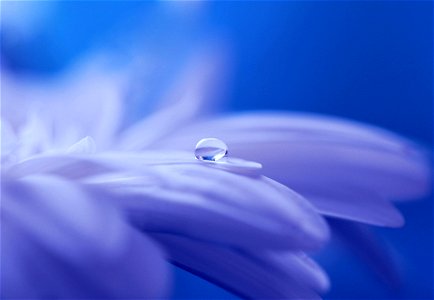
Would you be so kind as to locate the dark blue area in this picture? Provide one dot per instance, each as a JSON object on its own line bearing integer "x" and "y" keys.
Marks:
{"x": 369, "y": 61}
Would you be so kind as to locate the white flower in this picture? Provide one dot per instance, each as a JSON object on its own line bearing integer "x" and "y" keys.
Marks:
{"x": 72, "y": 176}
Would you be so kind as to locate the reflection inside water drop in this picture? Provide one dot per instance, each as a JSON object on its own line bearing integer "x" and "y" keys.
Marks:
{"x": 214, "y": 151}
{"x": 210, "y": 149}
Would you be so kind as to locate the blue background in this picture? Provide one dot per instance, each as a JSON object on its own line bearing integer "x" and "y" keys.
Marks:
{"x": 369, "y": 61}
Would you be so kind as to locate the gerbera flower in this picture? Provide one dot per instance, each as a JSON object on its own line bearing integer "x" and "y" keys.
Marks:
{"x": 91, "y": 209}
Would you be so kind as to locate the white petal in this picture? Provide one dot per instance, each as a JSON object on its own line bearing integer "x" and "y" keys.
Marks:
{"x": 62, "y": 241}
{"x": 9, "y": 142}
{"x": 175, "y": 192}
{"x": 183, "y": 102}
{"x": 208, "y": 203}
{"x": 84, "y": 146}
{"x": 251, "y": 276}
{"x": 87, "y": 100}
{"x": 313, "y": 154}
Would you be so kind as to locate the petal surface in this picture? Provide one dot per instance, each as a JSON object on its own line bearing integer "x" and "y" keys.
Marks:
{"x": 206, "y": 212}
{"x": 59, "y": 240}
{"x": 174, "y": 192}
{"x": 184, "y": 101}
{"x": 184, "y": 196}
{"x": 260, "y": 275}
{"x": 87, "y": 100}
{"x": 325, "y": 159}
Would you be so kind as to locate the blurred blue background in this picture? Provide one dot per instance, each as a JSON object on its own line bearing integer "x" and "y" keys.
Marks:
{"x": 368, "y": 61}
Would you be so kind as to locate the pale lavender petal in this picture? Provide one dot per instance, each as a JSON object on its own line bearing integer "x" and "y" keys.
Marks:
{"x": 174, "y": 192}
{"x": 300, "y": 267}
{"x": 67, "y": 166}
{"x": 211, "y": 209}
{"x": 34, "y": 136}
{"x": 60, "y": 240}
{"x": 9, "y": 142}
{"x": 251, "y": 276}
{"x": 86, "y": 145}
{"x": 91, "y": 103}
{"x": 342, "y": 203}
{"x": 215, "y": 205}
{"x": 317, "y": 155}
{"x": 182, "y": 102}
{"x": 78, "y": 165}
{"x": 307, "y": 126}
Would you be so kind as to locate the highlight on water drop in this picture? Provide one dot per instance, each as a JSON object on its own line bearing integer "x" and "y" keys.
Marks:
{"x": 210, "y": 149}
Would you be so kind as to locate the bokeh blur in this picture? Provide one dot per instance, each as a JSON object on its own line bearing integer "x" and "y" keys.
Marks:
{"x": 368, "y": 61}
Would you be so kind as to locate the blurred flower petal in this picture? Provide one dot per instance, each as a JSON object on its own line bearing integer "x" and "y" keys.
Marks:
{"x": 259, "y": 276}
{"x": 172, "y": 192}
{"x": 85, "y": 101}
{"x": 84, "y": 146}
{"x": 185, "y": 101}
{"x": 301, "y": 268}
{"x": 356, "y": 205}
{"x": 9, "y": 141}
{"x": 190, "y": 196}
{"x": 231, "y": 228}
{"x": 67, "y": 166}
{"x": 58, "y": 240}
{"x": 324, "y": 159}
{"x": 197, "y": 200}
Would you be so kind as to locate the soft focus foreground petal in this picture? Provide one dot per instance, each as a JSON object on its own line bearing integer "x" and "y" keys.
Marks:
{"x": 85, "y": 101}
{"x": 84, "y": 146}
{"x": 33, "y": 136}
{"x": 300, "y": 266}
{"x": 355, "y": 205}
{"x": 59, "y": 241}
{"x": 174, "y": 192}
{"x": 187, "y": 99}
{"x": 252, "y": 276}
{"x": 314, "y": 154}
{"x": 210, "y": 204}
{"x": 71, "y": 166}
{"x": 8, "y": 141}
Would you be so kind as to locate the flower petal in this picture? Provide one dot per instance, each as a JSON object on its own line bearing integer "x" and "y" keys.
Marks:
{"x": 91, "y": 93}
{"x": 64, "y": 165}
{"x": 207, "y": 203}
{"x": 55, "y": 244}
{"x": 355, "y": 205}
{"x": 8, "y": 142}
{"x": 183, "y": 102}
{"x": 174, "y": 192}
{"x": 253, "y": 276}
{"x": 84, "y": 146}
{"x": 329, "y": 157}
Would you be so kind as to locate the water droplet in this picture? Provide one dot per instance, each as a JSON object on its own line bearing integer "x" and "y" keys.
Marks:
{"x": 210, "y": 149}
